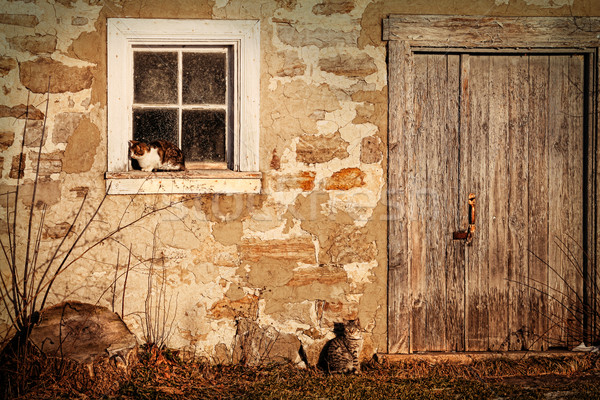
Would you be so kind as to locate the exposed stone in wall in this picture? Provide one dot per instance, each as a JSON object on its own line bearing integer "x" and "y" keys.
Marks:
{"x": 287, "y": 4}
{"x": 66, "y": 3}
{"x": 35, "y": 133}
{"x": 285, "y": 63}
{"x": 333, "y": 7}
{"x": 345, "y": 179}
{"x": 304, "y": 180}
{"x": 80, "y": 191}
{"x": 275, "y": 161}
{"x": 34, "y": 76}
{"x": 81, "y": 148}
{"x": 246, "y": 307}
{"x": 50, "y": 163}
{"x": 296, "y": 250}
{"x": 371, "y": 150}
{"x": 91, "y": 47}
{"x": 312, "y": 149}
{"x": 319, "y": 37}
{"x": 364, "y": 113}
{"x": 34, "y": 44}
{"x": 157, "y": 9}
{"x": 7, "y": 64}
{"x": 64, "y": 126}
{"x": 326, "y": 275}
{"x": 352, "y": 66}
{"x": 56, "y": 231}
{"x": 15, "y": 171}
{"x": 79, "y": 21}
{"x": 85, "y": 47}
{"x": 29, "y": 21}
{"x": 21, "y": 111}
{"x": 545, "y": 3}
{"x": 374, "y": 108}
{"x": 6, "y": 139}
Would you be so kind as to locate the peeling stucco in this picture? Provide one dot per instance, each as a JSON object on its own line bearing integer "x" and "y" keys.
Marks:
{"x": 308, "y": 251}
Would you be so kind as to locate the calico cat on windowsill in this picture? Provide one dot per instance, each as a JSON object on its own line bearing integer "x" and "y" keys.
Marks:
{"x": 159, "y": 155}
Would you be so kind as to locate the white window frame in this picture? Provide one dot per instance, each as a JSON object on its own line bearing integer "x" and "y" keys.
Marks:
{"x": 244, "y": 37}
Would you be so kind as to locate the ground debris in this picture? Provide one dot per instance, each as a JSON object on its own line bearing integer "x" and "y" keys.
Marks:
{"x": 162, "y": 374}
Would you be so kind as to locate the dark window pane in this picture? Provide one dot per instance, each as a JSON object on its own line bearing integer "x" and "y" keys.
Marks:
{"x": 155, "y": 78}
{"x": 204, "y": 78}
{"x": 203, "y": 135}
{"x": 153, "y": 124}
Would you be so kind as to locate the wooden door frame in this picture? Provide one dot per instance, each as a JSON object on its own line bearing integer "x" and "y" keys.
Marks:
{"x": 437, "y": 33}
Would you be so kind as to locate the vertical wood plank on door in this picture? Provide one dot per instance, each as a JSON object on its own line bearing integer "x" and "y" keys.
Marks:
{"x": 474, "y": 155}
{"x": 574, "y": 274}
{"x": 518, "y": 137}
{"x": 537, "y": 190}
{"x": 593, "y": 181}
{"x": 466, "y": 183}
{"x": 437, "y": 229}
{"x": 417, "y": 205}
{"x": 455, "y": 278}
{"x": 400, "y": 117}
{"x": 558, "y": 173}
{"x": 498, "y": 199}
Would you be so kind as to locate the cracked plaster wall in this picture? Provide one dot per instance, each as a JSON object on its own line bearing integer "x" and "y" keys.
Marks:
{"x": 310, "y": 250}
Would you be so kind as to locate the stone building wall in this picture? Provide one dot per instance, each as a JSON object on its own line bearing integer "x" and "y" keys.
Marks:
{"x": 285, "y": 264}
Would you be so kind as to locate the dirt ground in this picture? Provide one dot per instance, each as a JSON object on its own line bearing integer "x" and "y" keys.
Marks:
{"x": 164, "y": 375}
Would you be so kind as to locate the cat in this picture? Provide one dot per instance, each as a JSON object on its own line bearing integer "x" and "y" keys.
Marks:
{"x": 342, "y": 353}
{"x": 158, "y": 155}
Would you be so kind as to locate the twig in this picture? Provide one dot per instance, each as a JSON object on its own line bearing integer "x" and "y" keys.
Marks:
{"x": 125, "y": 284}
{"x": 33, "y": 196}
{"x": 114, "y": 285}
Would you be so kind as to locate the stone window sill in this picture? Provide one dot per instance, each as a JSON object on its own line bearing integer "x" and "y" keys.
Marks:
{"x": 184, "y": 182}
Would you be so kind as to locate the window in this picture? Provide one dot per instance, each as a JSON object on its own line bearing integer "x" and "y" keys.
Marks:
{"x": 184, "y": 95}
{"x": 194, "y": 83}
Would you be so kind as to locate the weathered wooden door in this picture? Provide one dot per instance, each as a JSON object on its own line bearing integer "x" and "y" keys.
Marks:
{"x": 511, "y": 129}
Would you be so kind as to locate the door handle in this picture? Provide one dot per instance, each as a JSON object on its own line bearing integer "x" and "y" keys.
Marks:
{"x": 467, "y": 235}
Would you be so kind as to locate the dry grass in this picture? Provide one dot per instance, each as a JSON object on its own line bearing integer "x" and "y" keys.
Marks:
{"x": 32, "y": 375}
{"x": 163, "y": 375}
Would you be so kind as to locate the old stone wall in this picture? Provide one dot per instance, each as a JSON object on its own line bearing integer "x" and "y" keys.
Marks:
{"x": 283, "y": 265}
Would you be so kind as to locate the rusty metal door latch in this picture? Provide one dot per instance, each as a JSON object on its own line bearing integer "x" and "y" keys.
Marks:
{"x": 467, "y": 235}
